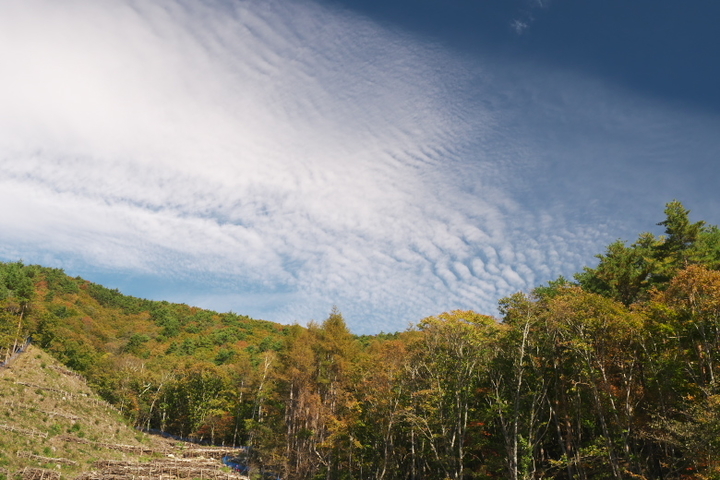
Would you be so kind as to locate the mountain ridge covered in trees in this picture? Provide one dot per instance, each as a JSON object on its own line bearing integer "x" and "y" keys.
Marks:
{"x": 613, "y": 374}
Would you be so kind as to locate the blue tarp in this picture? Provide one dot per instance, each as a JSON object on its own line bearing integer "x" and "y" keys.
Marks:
{"x": 245, "y": 469}
{"x": 238, "y": 467}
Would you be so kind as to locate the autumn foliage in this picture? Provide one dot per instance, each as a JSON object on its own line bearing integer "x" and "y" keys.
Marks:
{"x": 614, "y": 374}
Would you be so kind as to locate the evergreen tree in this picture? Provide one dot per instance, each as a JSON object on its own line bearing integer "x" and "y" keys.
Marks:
{"x": 681, "y": 235}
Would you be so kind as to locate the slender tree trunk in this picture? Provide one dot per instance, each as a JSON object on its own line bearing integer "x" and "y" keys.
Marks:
{"x": 237, "y": 414}
{"x": 19, "y": 327}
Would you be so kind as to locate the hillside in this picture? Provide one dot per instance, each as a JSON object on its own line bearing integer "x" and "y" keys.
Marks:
{"x": 54, "y": 426}
{"x": 145, "y": 357}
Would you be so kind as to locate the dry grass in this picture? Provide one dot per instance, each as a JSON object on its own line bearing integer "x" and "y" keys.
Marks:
{"x": 55, "y": 427}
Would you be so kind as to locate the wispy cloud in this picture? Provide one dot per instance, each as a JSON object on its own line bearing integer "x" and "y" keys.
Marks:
{"x": 526, "y": 15}
{"x": 292, "y": 157}
{"x": 519, "y": 26}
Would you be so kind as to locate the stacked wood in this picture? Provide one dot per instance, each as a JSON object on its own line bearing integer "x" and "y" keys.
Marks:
{"x": 68, "y": 372}
{"x": 46, "y": 412}
{"x": 111, "y": 446}
{"x": 63, "y": 461}
{"x": 30, "y": 473}
{"x": 42, "y": 387}
{"x": 160, "y": 468}
{"x": 69, "y": 395}
{"x": 210, "y": 452}
{"x": 105, "y": 476}
{"x": 168, "y": 461}
{"x": 23, "y": 431}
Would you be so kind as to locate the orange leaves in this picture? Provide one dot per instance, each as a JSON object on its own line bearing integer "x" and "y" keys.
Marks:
{"x": 588, "y": 321}
{"x": 695, "y": 290}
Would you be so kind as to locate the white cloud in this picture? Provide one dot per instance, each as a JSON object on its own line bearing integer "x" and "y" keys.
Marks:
{"x": 283, "y": 157}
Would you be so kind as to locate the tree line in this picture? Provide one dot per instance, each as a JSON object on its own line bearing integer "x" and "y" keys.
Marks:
{"x": 613, "y": 374}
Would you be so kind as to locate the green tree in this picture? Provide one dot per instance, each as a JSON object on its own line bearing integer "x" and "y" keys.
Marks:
{"x": 194, "y": 396}
{"x": 690, "y": 309}
{"x": 597, "y": 389}
{"x": 384, "y": 396}
{"x": 520, "y": 381}
{"x": 681, "y": 235}
{"x": 449, "y": 363}
{"x": 316, "y": 376}
{"x": 627, "y": 273}
{"x": 682, "y": 370}
{"x": 623, "y": 273}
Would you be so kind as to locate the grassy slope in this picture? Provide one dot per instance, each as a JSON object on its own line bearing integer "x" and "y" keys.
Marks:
{"x": 46, "y": 410}
{"x": 40, "y": 397}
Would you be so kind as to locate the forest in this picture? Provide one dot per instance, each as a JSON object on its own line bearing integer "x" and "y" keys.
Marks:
{"x": 614, "y": 373}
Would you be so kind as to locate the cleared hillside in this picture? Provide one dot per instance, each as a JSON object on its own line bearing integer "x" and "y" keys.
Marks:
{"x": 53, "y": 426}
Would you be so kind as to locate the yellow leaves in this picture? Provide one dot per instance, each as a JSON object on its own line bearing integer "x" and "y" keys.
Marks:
{"x": 695, "y": 290}
{"x": 457, "y": 333}
{"x": 590, "y": 320}
{"x": 691, "y": 302}
{"x": 458, "y": 317}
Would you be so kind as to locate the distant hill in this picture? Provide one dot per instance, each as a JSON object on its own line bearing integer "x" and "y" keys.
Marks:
{"x": 167, "y": 366}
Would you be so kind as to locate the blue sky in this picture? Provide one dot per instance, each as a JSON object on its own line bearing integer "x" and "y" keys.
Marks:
{"x": 394, "y": 158}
